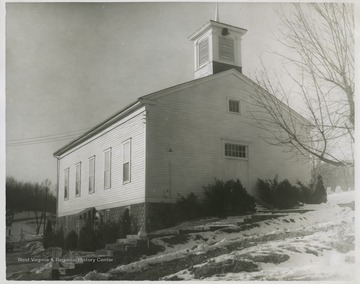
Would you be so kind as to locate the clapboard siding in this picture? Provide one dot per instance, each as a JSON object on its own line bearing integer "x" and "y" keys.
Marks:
{"x": 186, "y": 135}
{"x": 119, "y": 194}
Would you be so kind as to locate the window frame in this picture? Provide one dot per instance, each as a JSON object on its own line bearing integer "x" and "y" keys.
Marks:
{"x": 128, "y": 141}
{"x": 107, "y": 151}
{"x": 231, "y": 100}
{"x": 246, "y": 151}
{"x": 66, "y": 183}
{"x": 78, "y": 180}
{"x": 92, "y": 159}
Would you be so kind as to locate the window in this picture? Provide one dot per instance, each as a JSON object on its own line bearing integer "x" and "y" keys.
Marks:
{"x": 66, "y": 184}
{"x": 107, "y": 168}
{"x": 226, "y": 49}
{"x": 92, "y": 175}
{"x": 236, "y": 151}
{"x": 234, "y": 106}
{"x": 203, "y": 51}
{"x": 126, "y": 161}
{"x": 78, "y": 180}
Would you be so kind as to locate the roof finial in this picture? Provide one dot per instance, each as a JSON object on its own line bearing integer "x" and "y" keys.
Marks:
{"x": 217, "y": 12}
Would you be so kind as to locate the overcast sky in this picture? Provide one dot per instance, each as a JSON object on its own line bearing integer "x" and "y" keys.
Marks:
{"x": 69, "y": 66}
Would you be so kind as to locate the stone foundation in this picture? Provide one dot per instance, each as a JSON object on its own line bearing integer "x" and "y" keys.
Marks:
{"x": 76, "y": 222}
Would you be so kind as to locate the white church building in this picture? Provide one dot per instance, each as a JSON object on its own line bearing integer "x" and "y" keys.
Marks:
{"x": 173, "y": 141}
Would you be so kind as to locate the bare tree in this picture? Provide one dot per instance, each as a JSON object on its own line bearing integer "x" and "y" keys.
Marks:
{"x": 319, "y": 79}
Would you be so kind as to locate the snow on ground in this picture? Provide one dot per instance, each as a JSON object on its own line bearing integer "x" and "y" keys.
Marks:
{"x": 316, "y": 245}
{"x": 25, "y": 227}
{"x": 319, "y": 256}
{"x": 341, "y": 197}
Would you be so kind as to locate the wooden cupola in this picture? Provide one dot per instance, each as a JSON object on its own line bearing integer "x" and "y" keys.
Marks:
{"x": 217, "y": 47}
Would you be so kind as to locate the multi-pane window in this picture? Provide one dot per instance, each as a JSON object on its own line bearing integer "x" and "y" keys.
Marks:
{"x": 126, "y": 161}
{"x": 226, "y": 49}
{"x": 107, "y": 168}
{"x": 92, "y": 174}
{"x": 203, "y": 51}
{"x": 78, "y": 180}
{"x": 66, "y": 184}
{"x": 234, "y": 106}
{"x": 235, "y": 150}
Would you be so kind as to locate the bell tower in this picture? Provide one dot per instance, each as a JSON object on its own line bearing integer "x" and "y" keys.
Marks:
{"x": 217, "y": 47}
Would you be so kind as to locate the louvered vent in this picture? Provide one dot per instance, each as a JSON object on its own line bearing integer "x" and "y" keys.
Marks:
{"x": 226, "y": 49}
{"x": 203, "y": 51}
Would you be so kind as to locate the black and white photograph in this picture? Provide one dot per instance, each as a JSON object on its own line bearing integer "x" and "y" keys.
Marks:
{"x": 197, "y": 141}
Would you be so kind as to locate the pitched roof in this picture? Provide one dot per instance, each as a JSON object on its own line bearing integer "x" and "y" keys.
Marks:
{"x": 141, "y": 101}
{"x": 133, "y": 106}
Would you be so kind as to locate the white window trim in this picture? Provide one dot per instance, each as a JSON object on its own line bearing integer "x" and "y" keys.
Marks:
{"x": 123, "y": 143}
{"x": 93, "y": 191}
{"x": 228, "y": 99}
{"x": 76, "y": 181}
{"x": 110, "y": 161}
{"x": 239, "y": 144}
{"x": 67, "y": 184}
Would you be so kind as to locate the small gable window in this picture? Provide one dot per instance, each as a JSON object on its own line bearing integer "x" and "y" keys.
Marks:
{"x": 234, "y": 106}
{"x": 203, "y": 51}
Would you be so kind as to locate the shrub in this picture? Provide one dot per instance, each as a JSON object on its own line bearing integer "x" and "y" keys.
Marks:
{"x": 51, "y": 238}
{"x": 161, "y": 216}
{"x": 71, "y": 241}
{"x": 126, "y": 222}
{"x": 315, "y": 192}
{"x": 89, "y": 239}
{"x": 275, "y": 194}
{"x": 58, "y": 238}
{"x": 187, "y": 208}
{"x": 320, "y": 194}
{"x": 306, "y": 192}
{"x": 110, "y": 232}
{"x": 230, "y": 197}
{"x": 48, "y": 237}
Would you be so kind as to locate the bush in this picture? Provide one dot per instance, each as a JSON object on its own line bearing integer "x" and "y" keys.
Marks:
{"x": 187, "y": 208}
{"x": 126, "y": 222}
{"x": 71, "y": 241}
{"x": 275, "y": 194}
{"x": 161, "y": 216}
{"x": 306, "y": 192}
{"x": 315, "y": 192}
{"x": 320, "y": 194}
{"x": 59, "y": 240}
{"x": 48, "y": 237}
{"x": 51, "y": 238}
{"x": 89, "y": 239}
{"x": 110, "y": 232}
{"x": 224, "y": 198}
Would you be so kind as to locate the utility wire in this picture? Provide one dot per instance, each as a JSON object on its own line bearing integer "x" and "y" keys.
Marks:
{"x": 44, "y": 139}
{"x": 45, "y": 136}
